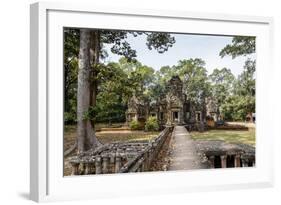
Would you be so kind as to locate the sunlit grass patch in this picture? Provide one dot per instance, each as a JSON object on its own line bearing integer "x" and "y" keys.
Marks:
{"x": 230, "y": 136}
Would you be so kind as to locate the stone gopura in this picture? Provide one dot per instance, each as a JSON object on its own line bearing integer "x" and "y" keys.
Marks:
{"x": 172, "y": 108}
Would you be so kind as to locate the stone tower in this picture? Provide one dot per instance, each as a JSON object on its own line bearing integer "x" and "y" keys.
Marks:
{"x": 174, "y": 98}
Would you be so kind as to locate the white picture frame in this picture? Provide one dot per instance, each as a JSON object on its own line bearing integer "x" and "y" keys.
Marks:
{"x": 46, "y": 134}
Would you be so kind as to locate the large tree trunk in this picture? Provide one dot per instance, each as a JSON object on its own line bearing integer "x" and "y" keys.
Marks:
{"x": 86, "y": 137}
{"x": 95, "y": 55}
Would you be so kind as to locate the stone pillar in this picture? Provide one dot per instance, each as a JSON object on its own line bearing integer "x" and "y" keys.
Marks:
{"x": 105, "y": 164}
{"x": 117, "y": 162}
{"x": 223, "y": 161}
{"x": 237, "y": 161}
{"x": 169, "y": 119}
{"x": 98, "y": 165}
{"x": 212, "y": 161}
{"x": 145, "y": 161}
{"x": 181, "y": 116}
{"x": 149, "y": 156}
{"x": 75, "y": 168}
{"x": 143, "y": 165}
{"x": 87, "y": 168}
{"x": 112, "y": 159}
{"x": 244, "y": 162}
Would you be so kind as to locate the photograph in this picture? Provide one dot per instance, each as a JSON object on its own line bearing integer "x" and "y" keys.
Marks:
{"x": 149, "y": 101}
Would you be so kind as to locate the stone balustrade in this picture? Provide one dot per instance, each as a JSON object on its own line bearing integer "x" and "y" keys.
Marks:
{"x": 119, "y": 157}
{"x": 224, "y": 155}
{"x": 225, "y": 160}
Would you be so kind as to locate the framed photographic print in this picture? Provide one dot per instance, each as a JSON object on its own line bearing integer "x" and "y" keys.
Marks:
{"x": 127, "y": 102}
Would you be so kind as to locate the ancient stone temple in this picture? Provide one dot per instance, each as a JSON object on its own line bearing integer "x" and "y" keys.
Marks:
{"x": 212, "y": 109}
{"x": 173, "y": 108}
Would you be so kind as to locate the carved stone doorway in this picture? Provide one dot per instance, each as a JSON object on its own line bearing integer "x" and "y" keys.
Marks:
{"x": 175, "y": 116}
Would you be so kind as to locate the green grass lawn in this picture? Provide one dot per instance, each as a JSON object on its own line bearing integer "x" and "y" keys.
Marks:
{"x": 231, "y": 136}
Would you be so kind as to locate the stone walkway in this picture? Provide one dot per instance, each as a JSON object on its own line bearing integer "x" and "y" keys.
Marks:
{"x": 184, "y": 155}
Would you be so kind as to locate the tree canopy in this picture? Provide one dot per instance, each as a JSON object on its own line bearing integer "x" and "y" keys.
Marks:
{"x": 241, "y": 45}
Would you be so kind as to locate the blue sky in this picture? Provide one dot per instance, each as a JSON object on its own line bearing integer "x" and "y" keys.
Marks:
{"x": 187, "y": 46}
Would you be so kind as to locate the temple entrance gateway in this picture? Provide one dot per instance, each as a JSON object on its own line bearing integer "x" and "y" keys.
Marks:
{"x": 175, "y": 116}
{"x": 171, "y": 108}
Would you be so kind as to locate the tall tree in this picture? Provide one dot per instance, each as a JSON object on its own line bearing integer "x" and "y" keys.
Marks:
{"x": 222, "y": 81}
{"x": 86, "y": 138}
{"x": 195, "y": 79}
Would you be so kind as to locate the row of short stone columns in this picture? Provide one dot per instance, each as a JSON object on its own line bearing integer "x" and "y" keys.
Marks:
{"x": 237, "y": 161}
{"x": 99, "y": 165}
{"x": 113, "y": 163}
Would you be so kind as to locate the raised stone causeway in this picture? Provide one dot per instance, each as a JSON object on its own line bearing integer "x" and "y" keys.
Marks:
{"x": 184, "y": 154}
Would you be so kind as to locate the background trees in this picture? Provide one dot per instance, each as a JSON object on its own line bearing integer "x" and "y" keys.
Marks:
{"x": 195, "y": 79}
{"x": 242, "y": 101}
{"x": 71, "y": 49}
{"x": 222, "y": 84}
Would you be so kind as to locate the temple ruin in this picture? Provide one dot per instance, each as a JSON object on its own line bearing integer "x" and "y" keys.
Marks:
{"x": 173, "y": 108}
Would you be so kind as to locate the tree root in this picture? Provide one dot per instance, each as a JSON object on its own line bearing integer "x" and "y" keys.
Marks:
{"x": 70, "y": 150}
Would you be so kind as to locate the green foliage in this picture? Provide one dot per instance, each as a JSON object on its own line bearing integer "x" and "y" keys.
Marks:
{"x": 242, "y": 101}
{"x": 91, "y": 113}
{"x": 159, "y": 41}
{"x": 135, "y": 125}
{"x": 221, "y": 86}
{"x": 151, "y": 124}
{"x": 237, "y": 107}
{"x": 246, "y": 80}
{"x": 241, "y": 45}
{"x": 195, "y": 79}
{"x": 71, "y": 49}
{"x": 69, "y": 117}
